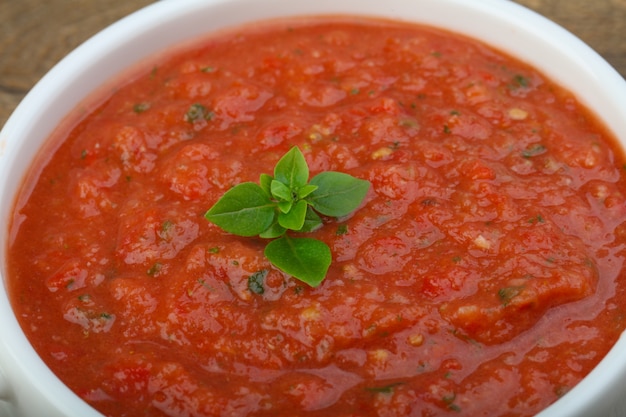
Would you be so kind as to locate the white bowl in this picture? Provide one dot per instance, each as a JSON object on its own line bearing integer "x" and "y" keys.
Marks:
{"x": 29, "y": 388}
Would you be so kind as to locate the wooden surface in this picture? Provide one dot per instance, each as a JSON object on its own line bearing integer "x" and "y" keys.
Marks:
{"x": 35, "y": 34}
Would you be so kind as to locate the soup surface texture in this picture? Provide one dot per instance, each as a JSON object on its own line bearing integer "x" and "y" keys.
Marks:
{"x": 482, "y": 274}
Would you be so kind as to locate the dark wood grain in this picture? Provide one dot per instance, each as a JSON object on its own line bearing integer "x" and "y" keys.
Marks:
{"x": 35, "y": 34}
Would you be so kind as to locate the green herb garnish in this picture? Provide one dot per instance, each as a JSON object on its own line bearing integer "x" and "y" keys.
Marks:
{"x": 198, "y": 112}
{"x": 288, "y": 201}
{"x": 449, "y": 401}
{"x": 256, "y": 281}
{"x": 508, "y": 293}
{"x": 521, "y": 81}
{"x": 141, "y": 107}
{"x": 342, "y": 229}
{"x": 154, "y": 269}
{"x": 385, "y": 389}
{"x": 533, "y": 150}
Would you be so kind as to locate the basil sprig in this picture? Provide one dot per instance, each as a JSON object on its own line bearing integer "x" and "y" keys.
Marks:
{"x": 288, "y": 201}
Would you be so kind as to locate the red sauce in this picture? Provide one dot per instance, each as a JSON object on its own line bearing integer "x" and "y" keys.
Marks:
{"x": 486, "y": 261}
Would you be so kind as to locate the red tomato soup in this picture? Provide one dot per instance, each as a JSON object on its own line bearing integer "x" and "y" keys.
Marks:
{"x": 482, "y": 274}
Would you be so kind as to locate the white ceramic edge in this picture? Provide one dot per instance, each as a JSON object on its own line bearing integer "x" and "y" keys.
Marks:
{"x": 524, "y": 34}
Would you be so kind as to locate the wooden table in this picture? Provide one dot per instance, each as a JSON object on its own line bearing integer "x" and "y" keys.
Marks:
{"x": 35, "y": 34}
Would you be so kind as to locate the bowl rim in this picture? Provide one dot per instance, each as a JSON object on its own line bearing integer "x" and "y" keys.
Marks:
{"x": 117, "y": 45}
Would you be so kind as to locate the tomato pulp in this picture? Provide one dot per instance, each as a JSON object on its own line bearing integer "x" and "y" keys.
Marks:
{"x": 486, "y": 261}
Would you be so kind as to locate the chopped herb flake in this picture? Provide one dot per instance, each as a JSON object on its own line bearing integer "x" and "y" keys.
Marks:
{"x": 385, "y": 389}
{"x": 167, "y": 226}
{"x": 536, "y": 219}
{"x": 342, "y": 229}
{"x": 408, "y": 122}
{"x": 521, "y": 81}
{"x": 449, "y": 400}
{"x": 205, "y": 285}
{"x": 256, "y": 282}
{"x": 154, "y": 269}
{"x": 141, "y": 107}
{"x": 198, "y": 112}
{"x": 508, "y": 293}
{"x": 533, "y": 150}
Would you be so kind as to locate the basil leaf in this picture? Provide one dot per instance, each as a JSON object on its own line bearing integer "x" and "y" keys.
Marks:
{"x": 306, "y": 190}
{"x": 281, "y": 191}
{"x": 285, "y": 206}
{"x": 338, "y": 194}
{"x": 292, "y": 169}
{"x": 311, "y": 221}
{"x": 275, "y": 230}
{"x": 244, "y": 210}
{"x": 303, "y": 258}
{"x": 294, "y": 218}
{"x": 284, "y": 202}
{"x": 265, "y": 182}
